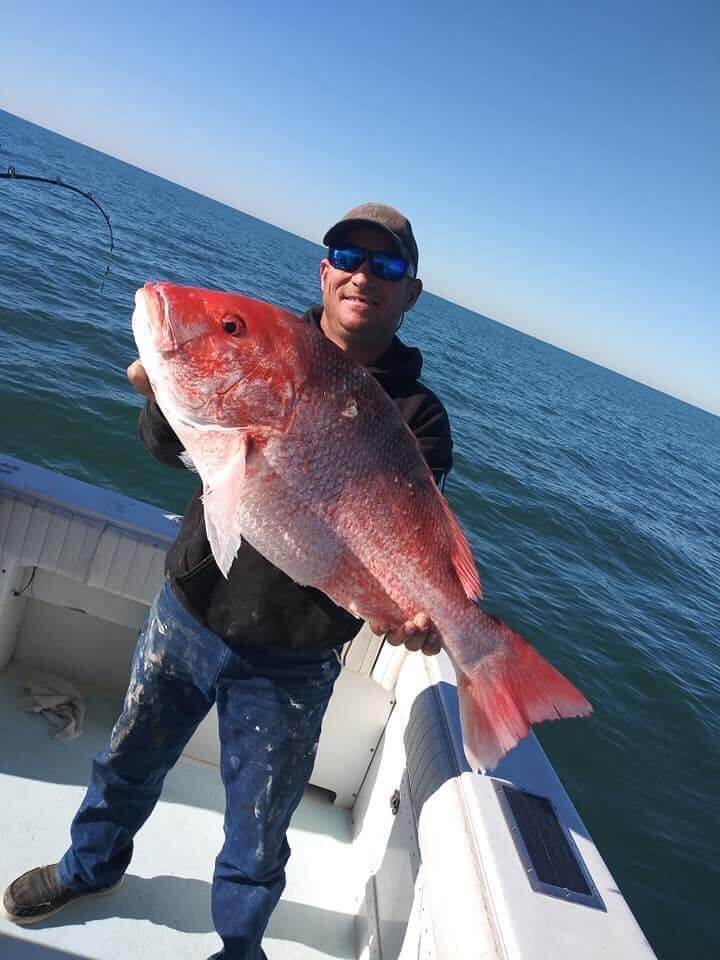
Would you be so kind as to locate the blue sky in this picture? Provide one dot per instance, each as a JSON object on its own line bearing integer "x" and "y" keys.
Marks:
{"x": 560, "y": 161}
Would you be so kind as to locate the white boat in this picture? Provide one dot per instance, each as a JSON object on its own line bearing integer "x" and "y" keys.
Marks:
{"x": 399, "y": 851}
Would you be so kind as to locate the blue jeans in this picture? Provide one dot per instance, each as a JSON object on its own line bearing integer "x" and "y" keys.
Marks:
{"x": 270, "y": 708}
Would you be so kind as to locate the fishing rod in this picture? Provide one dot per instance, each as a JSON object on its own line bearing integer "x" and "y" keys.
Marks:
{"x": 12, "y": 174}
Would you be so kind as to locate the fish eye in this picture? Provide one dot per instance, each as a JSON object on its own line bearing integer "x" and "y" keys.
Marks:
{"x": 233, "y": 324}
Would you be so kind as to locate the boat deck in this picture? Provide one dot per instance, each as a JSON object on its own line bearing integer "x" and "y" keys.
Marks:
{"x": 418, "y": 857}
{"x": 163, "y": 907}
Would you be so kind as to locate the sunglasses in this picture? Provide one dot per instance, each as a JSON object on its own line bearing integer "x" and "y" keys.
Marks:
{"x": 384, "y": 266}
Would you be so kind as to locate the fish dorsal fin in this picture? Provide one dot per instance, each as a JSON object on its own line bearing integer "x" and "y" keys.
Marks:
{"x": 461, "y": 555}
{"x": 220, "y": 501}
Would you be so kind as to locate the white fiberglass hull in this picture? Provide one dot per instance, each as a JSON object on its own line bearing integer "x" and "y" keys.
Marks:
{"x": 398, "y": 850}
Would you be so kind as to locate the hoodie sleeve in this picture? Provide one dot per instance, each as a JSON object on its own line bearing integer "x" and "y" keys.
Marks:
{"x": 428, "y": 420}
{"x": 158, "y": 437}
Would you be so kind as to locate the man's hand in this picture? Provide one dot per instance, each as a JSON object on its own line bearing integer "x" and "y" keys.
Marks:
{"x": 139, "y": 379}
{"x": 416, "y": 634}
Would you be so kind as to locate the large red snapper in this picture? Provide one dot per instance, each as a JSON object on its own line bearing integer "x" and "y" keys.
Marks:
{"x": 302, "y": 453}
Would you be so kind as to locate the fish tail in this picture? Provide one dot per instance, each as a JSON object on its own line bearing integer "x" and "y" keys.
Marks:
{"x": 510, "y": 689}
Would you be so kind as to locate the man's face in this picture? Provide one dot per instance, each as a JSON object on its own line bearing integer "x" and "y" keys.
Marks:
{"x": 359, "y": 305}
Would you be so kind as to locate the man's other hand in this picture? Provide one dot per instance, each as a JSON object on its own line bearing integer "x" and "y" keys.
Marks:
{"x": 416, "y": 634}
{"x": 139, "y": 379}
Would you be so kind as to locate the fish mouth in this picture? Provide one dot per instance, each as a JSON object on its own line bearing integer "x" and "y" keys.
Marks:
{"x": 151, "y": 311}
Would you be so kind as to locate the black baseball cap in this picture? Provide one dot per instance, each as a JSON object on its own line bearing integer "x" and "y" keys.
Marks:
{"x": 388, "y": 219}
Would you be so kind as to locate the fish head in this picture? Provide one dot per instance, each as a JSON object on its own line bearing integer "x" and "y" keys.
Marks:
{"x": 220, "y": 359}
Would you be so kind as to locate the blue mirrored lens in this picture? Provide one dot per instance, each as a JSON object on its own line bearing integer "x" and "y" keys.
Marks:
{"x": 384, "y": 266}
{"x": 346, "y": 258}
{"x": 387, "y": 267}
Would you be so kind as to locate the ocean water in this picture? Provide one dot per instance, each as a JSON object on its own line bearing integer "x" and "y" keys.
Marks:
{"x": 591, "y": 501}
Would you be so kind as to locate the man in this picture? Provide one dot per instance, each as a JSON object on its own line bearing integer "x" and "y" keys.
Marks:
{"x": 261, "y": 647}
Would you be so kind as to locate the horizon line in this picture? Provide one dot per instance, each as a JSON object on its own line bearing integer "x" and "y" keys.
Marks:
{"x": 446, "y": 299}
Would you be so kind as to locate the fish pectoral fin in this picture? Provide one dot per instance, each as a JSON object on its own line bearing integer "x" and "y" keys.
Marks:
{"x": 220, "y": 501}
{"x": 187, "y": 461}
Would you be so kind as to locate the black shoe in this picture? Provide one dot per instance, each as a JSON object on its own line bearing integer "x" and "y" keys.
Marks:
{"x": 40, "y": 893}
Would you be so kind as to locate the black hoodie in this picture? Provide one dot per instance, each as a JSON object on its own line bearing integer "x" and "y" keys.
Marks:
{"x": 258, "y": 605}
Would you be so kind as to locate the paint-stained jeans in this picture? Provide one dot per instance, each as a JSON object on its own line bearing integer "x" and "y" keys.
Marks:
{"x": 270, "y": 708}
